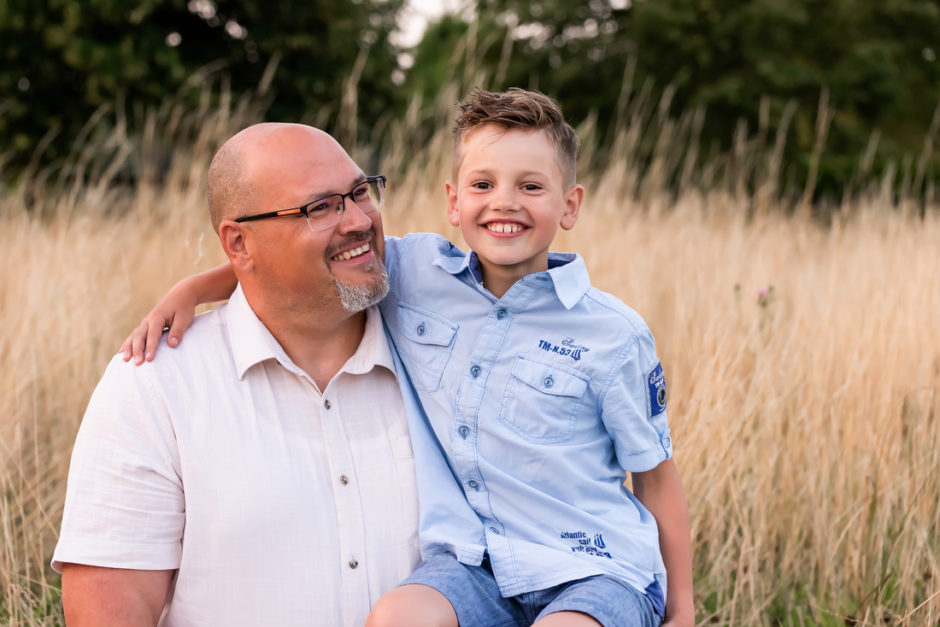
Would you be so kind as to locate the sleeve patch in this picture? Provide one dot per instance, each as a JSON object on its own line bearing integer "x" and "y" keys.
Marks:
{"x": 656, "y": 384}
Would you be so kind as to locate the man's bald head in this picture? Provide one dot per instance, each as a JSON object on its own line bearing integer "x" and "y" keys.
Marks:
{"x": 233, "y": 185}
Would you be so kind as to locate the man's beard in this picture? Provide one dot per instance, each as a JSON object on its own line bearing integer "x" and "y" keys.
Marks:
{"x": 356, "y": 298}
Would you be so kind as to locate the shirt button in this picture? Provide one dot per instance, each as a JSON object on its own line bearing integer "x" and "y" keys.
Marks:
{"x": 354, "y": 563}
{"x": 500, "y": 314}
{"x": 464, "y": 431}
{"x": 494, "y": 530}
{"x": 343, "y": 480}
{"x": 421, "y": 330}
{"x": 473, "y": 484}
{"x": 548, "y": 381}
{"x": 474, "y": 371}
{"x": 327, "y": 404}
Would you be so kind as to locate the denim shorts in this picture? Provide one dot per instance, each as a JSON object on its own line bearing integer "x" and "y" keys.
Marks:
{"x": 474, "y": 594}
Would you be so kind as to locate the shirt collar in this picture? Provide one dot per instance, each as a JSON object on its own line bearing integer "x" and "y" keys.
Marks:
{"x": 252, "y": 342}
{"x": 569, "y": 276}
{"x": 567, "y": 271}
{"x": 454, "y": 260}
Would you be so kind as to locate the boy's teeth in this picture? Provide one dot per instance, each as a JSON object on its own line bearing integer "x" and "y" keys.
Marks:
{"x": 502, "y": 227}
{"x": 349, "y": 254}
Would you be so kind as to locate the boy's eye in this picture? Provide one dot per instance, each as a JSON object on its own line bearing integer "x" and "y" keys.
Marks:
{"x": 481, "y": 185}
{"x": 531, "y": 187}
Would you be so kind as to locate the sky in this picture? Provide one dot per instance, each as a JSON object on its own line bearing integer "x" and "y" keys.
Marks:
{"x": 416, "y": 15}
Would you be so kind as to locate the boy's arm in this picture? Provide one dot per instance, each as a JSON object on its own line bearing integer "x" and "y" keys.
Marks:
{"x": 660, "y": 491}
{"x": 176, "y": 310}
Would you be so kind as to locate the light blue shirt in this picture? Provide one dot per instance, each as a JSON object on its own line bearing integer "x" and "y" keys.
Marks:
{"x": 538, "y": 401}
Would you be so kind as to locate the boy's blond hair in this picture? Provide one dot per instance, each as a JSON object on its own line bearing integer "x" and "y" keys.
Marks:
{"x": 517, "y": 109}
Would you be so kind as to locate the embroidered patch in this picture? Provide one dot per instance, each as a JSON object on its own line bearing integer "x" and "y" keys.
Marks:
{"x": 582, "y": 542}
{"x": 567, "y": 348}
{"x": 656, "y": 382}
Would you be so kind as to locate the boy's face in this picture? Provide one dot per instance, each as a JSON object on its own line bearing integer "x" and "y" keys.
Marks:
{"x": 509, "y": 198}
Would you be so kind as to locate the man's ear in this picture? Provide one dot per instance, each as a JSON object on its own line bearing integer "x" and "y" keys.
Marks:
{"x": 453, "y": 214}
{"x": 235, "y": 242}
{"x": 573, "y": 200}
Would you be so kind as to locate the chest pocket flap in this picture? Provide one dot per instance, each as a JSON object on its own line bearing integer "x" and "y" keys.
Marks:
{"x": 423, "y": 327}
{"x": 549, "y": 379}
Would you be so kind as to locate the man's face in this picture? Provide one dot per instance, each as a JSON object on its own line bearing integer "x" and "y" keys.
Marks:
{"x": 307, "y": 271}
{"x": 509, "y": 198}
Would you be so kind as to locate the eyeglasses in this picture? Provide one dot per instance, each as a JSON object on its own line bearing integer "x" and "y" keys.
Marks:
{"x": 325, "y": 213}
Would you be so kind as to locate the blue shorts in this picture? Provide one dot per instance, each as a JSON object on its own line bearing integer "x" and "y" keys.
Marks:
{"x": 473, "y": 593}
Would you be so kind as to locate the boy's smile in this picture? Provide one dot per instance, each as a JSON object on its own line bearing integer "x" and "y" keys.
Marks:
{"x": 509, "y": 200}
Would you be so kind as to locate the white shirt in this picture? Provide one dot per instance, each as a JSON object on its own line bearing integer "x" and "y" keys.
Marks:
{"x": 277, "y": 504}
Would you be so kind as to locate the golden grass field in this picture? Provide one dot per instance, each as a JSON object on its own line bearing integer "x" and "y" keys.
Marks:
{"x": 803, "y": 361}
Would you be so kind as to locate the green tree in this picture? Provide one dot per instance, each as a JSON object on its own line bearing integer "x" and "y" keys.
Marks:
{"x": 740, "y": 60}
{"x": 64, "y": 59}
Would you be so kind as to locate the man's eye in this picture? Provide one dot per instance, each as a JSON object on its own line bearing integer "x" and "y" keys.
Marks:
{"x": 318, "y": 207}
{"x": 361, "y": 191}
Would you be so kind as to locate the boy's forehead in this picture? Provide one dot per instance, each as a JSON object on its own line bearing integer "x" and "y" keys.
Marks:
{"x": 486, "y": 134}
{"x": 480, "y": 139}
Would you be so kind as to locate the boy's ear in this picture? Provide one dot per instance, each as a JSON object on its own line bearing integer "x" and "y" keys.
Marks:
{"x": 453, "y": 214}
{"x": 235, "y": 244}
{"x": 573, "y": 200}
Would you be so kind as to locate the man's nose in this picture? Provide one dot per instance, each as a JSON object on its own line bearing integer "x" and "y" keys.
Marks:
{"x": 354, "y": 218}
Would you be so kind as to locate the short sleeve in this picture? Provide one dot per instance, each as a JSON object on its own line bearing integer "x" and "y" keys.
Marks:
{"x": 634, "y": 406}
{"x": 124, "y": 505}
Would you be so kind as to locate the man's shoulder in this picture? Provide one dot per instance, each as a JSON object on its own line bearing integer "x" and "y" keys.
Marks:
{"x": 204, "y": 346}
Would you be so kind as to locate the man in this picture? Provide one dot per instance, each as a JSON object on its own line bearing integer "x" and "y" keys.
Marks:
{"x": 261, "y": 473}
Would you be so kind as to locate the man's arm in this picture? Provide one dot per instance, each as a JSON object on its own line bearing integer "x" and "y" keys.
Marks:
{"x": 101, "y": 597}
{"x": 660, "y": 491}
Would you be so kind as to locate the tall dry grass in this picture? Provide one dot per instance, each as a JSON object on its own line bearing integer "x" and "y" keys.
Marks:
{"x": 803, "y": 359}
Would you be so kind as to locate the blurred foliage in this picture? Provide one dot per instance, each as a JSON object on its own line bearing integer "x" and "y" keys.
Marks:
{"x": 868, "y": 71}
{"x": 62, "y": 60}
{"x": 852, "y": 85}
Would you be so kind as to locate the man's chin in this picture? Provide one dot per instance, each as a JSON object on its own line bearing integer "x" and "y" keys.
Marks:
{"x": 356, "y": 298}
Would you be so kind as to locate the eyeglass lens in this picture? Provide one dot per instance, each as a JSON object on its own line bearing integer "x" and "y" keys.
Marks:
{"x": 326, "y": 212}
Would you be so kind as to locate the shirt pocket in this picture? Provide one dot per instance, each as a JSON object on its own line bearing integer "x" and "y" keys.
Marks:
{"x": 542, "y": 400}
{"x": 426, "y": 342}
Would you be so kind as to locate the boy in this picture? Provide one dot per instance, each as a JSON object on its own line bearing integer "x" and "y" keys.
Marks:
{"x": 540, "y": 391}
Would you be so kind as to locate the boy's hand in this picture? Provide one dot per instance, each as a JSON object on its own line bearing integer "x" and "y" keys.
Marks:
{"x": 175, "y": 310}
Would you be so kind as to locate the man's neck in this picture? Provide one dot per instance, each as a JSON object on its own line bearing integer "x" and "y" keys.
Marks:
{"x": 319, "y": 343}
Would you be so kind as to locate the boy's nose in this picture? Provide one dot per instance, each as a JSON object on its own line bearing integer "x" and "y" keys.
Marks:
{"x": 505, "y": 200}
